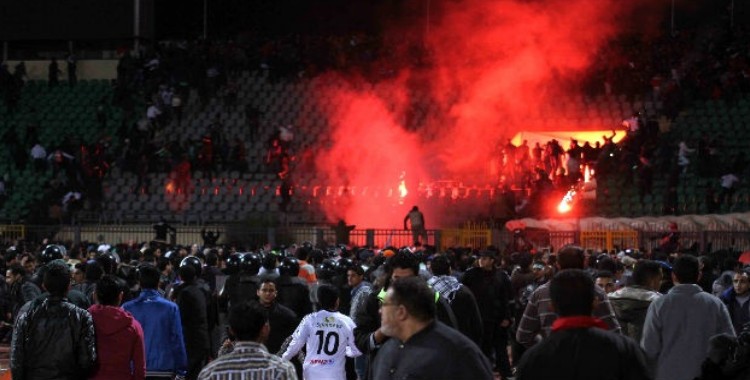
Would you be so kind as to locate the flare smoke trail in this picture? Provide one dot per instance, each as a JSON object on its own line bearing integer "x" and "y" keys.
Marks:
{"x": 492, "y": 65}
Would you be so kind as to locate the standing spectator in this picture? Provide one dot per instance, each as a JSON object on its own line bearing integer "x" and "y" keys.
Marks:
{"x": 161, "y": 229}
{"x": 461, "y": 299}
{"x": 728, "y": 182}
{"x": 682, "y": 153}
{"x": 360, "y": 289}
{"x": 369, "y": 332}
{"x": 52, "y": 338}
{"x": 39, "y": 157}
{"x": 631, "y": 302}
{"x": 421, "y": 346}
{"x": 293, "y": 291}
{"x": 119, "y": 337}
{"x": 539, "y": 316}
{"x": 577, "y": 337}
{"x": 282, "y": 319}
{"x": 417, "y": 223}
{"x": 162, "y": 327}
{"x": 72, "y": 69}
{"x": 306, "y": 271}
{"x": 53, "y": 72}
{"x": 15, "y": 277}
{"x": 327, "y": 336}
{"x": 493, "y": 291}
{"x": 192, "y": 302}
{"x": 684, "y": 319}
{"x": 737, "y": 299}
{"x": 249, "y": 328}
{"x": 210, "y": 237}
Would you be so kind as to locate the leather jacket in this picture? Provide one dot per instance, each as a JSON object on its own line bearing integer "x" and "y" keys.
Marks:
{"x": 52, "y": 339}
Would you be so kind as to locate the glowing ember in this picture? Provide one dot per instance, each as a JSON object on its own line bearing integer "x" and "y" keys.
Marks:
{"x": 567, "y": 202}
{"x": 402, "y": 190}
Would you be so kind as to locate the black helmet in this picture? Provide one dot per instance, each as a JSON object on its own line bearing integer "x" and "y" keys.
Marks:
{"x": 344, "y": 265}
{"x": 173, "y": 257}
{"x": 316, "y": 256}
{"x": 108, "y": 262}
{"x": 51, "y": 252}
{"x": 250, "y": 263}
{"x": 233, "y": 263}
{"x": 289, "y": 267}
{"x": 327, "y": 269}
{"x": 193, "y": 261}
{"x": 270, "y": 261}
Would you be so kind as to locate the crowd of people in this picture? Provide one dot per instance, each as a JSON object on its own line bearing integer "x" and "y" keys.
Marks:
{"x": 221, "y": 312}
{"x": 154, "y": 87}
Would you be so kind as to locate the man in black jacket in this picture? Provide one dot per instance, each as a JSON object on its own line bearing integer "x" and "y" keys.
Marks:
{"x": 461, "y": 299}
{"x": 420, "y": 347}
{"x": 191, "y": 299}
{"x": 368, "y": 333}
{"x": 283, "y": 320}
{"x": 293, "y": 291}
{"x": 52, "y": 338}
{"x": 577, "y": 337}
{"x": 492, "y": 290}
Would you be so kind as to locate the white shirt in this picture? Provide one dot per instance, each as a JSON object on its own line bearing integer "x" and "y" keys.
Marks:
{"x": 38, "y": 152}
{"x": 153, "y": 112}
{"x": 728, "y": 180}
{"x": 328, "y": 337}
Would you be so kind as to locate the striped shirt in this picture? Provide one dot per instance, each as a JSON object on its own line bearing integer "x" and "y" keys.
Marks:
{"x": 248, "y": 361}
{"x": 539, "y": 316}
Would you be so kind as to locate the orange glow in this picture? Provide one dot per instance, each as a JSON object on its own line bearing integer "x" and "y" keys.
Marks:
{"x": 567, "y": 202}
{"x": 542, "y": 137}
{"x": 402, "y": 190}
{"x": 444, "y": 120}
{"x": 564, "y": 207}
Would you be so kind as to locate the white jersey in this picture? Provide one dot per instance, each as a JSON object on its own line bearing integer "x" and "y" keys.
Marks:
{"x": 328, "y": 337}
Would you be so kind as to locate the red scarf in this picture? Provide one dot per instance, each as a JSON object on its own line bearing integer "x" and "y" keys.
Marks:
{"x": 577, "y": 322}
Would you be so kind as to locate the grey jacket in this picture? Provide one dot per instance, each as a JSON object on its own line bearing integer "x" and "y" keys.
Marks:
{"x": 678, "y": 328}
{"x": 631, "y": 304}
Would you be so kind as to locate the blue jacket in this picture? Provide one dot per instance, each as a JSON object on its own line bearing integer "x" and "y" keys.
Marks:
{"x": 162, "y": 332}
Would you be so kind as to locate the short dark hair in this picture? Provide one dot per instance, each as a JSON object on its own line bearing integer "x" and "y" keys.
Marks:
{"x": 162, "y": 263}
{"x": 212, "y": 257}
{"x": 246, "y": 320}
{"x": 687, "y": 269}
{"x": 107, "y": 290}
{"x": 403, "y": 260}
{"x": 266, "y": 280}
{"x": 604, "y": 274}
{"x": 644, "y": 271}
{"x": 606, "y": 263}
{"x": 414, "y": 294}
{"x": 57, "y": 278}
{"x": 441, "y": 266}
{"x": 327, "y": 296}
{"x": 570, "y": 257}
{"x": 148, "y": 276}
{"x": 93, "y": 271}
{"x": 357, "y": 269}
{"x": 17, "y": 269}
{"x": 572, "y": 292}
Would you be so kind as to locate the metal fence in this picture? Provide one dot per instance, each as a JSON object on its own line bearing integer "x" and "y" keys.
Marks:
{"x": 701, "y": 241}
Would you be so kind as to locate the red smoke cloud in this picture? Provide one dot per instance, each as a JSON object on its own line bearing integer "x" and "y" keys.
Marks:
{"x": 495, "y": 68}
